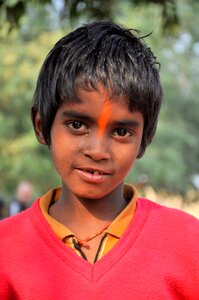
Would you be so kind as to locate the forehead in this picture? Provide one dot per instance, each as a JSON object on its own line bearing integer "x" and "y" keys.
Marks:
{"x": 100, "y": 106}
{"x": 95, "y": 100}
{"x": 100, "y": 95}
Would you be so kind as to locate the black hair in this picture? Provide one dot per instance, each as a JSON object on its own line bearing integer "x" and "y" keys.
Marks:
{"x": 100, "y": 52}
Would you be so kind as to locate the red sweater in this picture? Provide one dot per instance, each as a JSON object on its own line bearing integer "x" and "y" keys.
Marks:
{"x": 156, "y": 258}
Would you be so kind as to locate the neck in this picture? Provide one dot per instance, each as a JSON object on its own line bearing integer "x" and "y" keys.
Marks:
{"x": 86, "y": 216}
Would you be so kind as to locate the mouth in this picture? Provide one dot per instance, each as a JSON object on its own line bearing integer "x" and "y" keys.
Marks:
{"x": 92, "y": 175}
{"x": 94, "y": 171}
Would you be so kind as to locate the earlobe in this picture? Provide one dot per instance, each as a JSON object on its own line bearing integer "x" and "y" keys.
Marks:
{"x": 36, "y": 120}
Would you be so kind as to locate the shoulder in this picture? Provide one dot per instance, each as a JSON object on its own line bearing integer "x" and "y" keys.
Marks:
{"x": 173, "y": 232}
{"x": 170, "y": 219}
{"x": 17, "y": 228}
{"x": 13, "y": 224}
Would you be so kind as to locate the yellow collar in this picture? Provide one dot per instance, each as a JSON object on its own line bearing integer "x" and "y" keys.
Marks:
{"x": 116, "y": 228}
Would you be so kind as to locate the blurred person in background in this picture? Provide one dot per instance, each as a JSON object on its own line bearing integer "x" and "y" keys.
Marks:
{"x": 24, "y": 194}
{"x": 2, "y": 209}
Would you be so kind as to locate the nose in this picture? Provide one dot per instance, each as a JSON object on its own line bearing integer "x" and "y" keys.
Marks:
{"x": 97, "y": 149}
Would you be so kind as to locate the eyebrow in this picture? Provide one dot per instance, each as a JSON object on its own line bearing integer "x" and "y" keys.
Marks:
{"x": 85, "y": 117}
{"x": 74, "y": 114}
{"x": 127, "y": 123}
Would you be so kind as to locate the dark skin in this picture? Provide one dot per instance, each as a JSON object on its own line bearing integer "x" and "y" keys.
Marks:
{"x": 93, "y": 150}
{"x": 78, "y": 215}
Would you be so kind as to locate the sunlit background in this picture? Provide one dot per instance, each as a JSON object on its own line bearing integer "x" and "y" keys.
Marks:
{"x": 169, "y": 171}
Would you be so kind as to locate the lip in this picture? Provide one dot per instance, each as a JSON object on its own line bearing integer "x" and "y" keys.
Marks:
{"x": 98, "y": 175}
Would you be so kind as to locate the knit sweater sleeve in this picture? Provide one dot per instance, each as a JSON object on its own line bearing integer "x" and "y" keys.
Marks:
{"x": 13, "y": 235}
{"x": 177, "y": 234}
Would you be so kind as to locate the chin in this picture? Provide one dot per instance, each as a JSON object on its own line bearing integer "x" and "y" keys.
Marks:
{"x": 92, "y": 195}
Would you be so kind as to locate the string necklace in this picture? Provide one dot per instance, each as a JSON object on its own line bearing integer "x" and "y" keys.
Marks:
{"x": 84, "y": 242}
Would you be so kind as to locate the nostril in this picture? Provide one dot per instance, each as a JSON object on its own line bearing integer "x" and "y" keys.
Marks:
{"x": 96, "y": 156}
{"x": 96, "y": 150}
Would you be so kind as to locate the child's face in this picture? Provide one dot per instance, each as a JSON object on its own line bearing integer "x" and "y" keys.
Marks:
{"x": 94, "y": 143}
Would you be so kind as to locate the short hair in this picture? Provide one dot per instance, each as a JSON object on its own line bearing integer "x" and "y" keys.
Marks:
{"x": 100, "y": 52}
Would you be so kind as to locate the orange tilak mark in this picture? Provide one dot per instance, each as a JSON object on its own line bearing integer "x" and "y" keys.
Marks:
{"x": 104, "y": 118}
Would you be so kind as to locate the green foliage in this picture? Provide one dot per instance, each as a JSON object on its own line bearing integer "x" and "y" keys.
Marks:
{"x": 169, "y": 13}
{"x": 12, "y": 11}
{"x": 20, "y": 155}
{"x": 173, "y": 157}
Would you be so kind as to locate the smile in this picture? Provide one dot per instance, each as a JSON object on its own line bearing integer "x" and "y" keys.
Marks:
{"x": 95, "y": 172}
{"x": 92, "y": 175}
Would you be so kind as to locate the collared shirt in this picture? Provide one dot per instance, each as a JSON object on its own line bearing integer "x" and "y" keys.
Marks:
{"x": 111, "y": 235}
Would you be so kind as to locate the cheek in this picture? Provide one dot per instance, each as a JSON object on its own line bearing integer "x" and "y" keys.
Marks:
{"x": 126, "y": 160}
{"x": 64, "y": 149}
{"x": 57, "y": 148}
{"x": 126, "y": 157}
{"x": 131, "y": 150}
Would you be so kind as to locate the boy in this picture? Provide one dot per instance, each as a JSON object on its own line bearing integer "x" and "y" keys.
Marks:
{"x": 96, "y": 107}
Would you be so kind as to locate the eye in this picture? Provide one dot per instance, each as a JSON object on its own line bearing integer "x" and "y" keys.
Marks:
{"x": 77, "y": 127}
{"x": 121, "y": 132}
{"x": 76, "y": 124}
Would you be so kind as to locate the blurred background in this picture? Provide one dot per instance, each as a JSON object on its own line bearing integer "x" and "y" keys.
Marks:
{"x": 169, "y": 171}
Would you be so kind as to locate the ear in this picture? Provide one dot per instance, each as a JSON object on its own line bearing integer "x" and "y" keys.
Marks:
{"x": 36, "y": 121}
